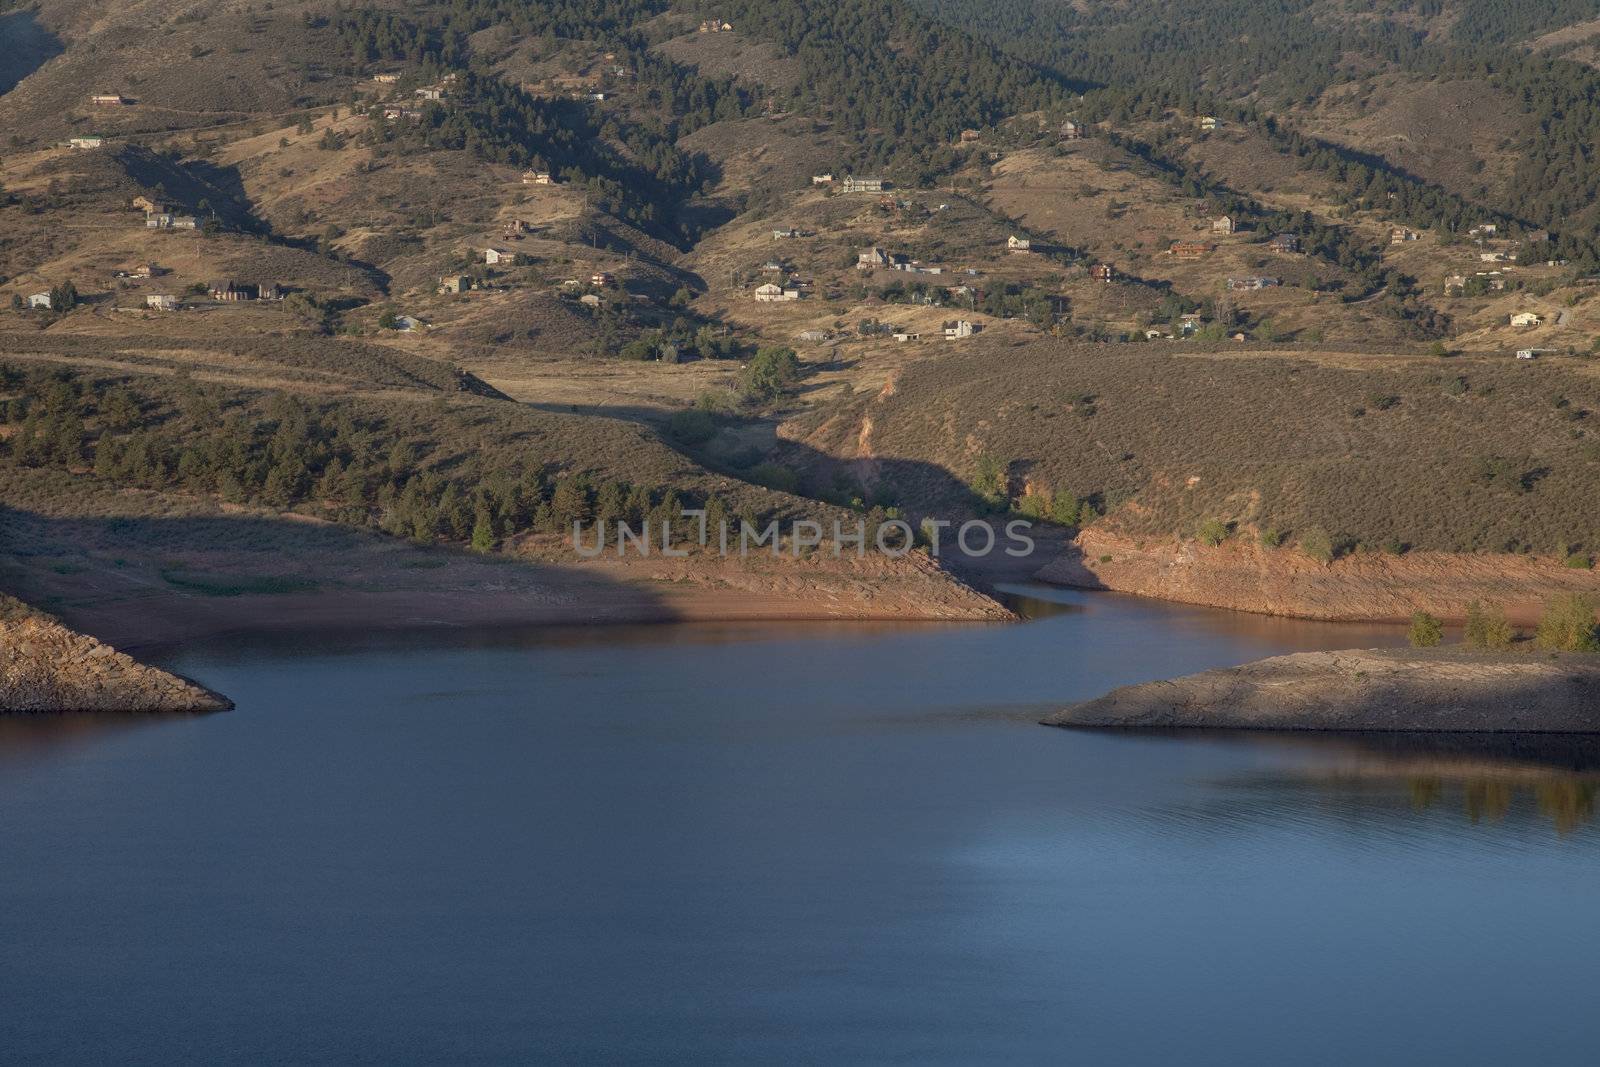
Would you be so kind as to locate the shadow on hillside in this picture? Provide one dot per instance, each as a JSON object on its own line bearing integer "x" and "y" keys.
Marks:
{"x": 25, "y": 46}
{"x": 141, "y": 581}
{"x": 917, "y": 488}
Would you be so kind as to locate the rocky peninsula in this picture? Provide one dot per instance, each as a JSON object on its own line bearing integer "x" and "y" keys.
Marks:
{"x": 45, "y": 667}
{"x": 1374, "y": 689}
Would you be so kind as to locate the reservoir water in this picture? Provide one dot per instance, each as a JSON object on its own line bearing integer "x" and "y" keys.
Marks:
{"x": 759, "y": 844}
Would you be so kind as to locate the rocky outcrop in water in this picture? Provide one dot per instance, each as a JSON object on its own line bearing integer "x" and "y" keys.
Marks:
{"x": 45, "y": 667}
{"x": 1374, "y": 689}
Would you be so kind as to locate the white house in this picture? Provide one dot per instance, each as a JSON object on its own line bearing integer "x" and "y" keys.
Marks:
{"x": 537, "y": 177}
{"x": 87, "y": 142}
{"x": 864, "y": 185}
{"x": 185, "y": 222}
{"x": 1222, "y": 224}
{"x": 959, "y": 328}
{"x": 161, "y": 302}
{"x": 497, "y": 256}
{"x": 774, "y": 294}
{"x": 1525, "y": 319}
{"x": 822, "y": 179}
{"x": 1018, "y": 244}
{"x": 40, "y": 301}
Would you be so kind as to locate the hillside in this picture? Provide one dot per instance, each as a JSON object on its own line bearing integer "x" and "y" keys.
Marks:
{"x": 542, "y": 245}
{"x": 1460, "y": 454}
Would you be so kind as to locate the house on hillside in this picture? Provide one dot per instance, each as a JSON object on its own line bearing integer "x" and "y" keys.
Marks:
{"x": 40, "y": 302}
{"x": 516, "y": 229}
{"x": 87, "y": 142}
{"x": 1284, "y": 243}
{"x": 1222, "y": 224}
{"x": 498, "y": 257}
{"x": 455, "y": 283}
{"x": 716, "y": 26}
{"x": 864, "y": 185}
{"x": 402, "y": 114}
{"x": 1207, "y": 123}
{"x": 1251, "y": 284}
{"x": 185, "y": 222}
{"x": 1526, "y": 320}
{"x": 537, "y": 177}
{"x": 107, "y": 100}
{"x": 1491, "y": 257}
{"x": 960, "y": 328}
{"x": 1455, "y": 283}
{"x": 159, "y": 220}
{"x": 771, "y": 293}
{"x": 161, "y": 302}
{"x": 431, "y": 92}
{"x": 231, "y": 292}
{"x": 822, "y": 179}
{"x": 1103, "y": 272}
{"x": 1191, "y": 249}
{"x": 872, "y": 259}
{"x": 970, "y": 136}
{"x": 148, "y": 206}
{"x": 1071, "y": 131}
{"x": 386, "y": 79}
{"x": 1402, "y": 234}
{"x": 1018, "y": 244}
{"x": 786, "y": 235}
{"x": 602, "y": 279}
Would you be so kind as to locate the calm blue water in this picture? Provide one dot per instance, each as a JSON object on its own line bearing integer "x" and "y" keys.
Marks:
{"x": 752, "y": 845}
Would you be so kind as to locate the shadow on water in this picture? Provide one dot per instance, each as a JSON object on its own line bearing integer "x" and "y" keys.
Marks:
{"x": 25, "y": 46}
{"x": 1484, "y": 778}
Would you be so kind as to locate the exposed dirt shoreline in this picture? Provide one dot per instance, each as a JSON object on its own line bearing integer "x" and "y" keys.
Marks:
{"x": 1242, "y": 575}
{"x": 1371, "y": 690}
{"x": 533, "y": 592}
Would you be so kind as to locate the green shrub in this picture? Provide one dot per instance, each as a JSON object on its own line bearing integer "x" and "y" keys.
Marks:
{"x": 1271, "y": 537}
{"x": 1426, "y": 630}
{"x": 1213, "y": 532}
{"x": 1487, "y": 629}
{"x": 1568, "y": 625}
{"x": 692, "y": 427}
{"x": 1581, "y": 561}
{"x": 773, "y": 371}
{"x": 1316, "y": 543}
{"x": 775, "y": 476}
{"x": 989, "y": 481}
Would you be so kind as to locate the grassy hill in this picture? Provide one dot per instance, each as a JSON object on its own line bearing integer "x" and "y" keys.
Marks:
{"x": 1463, "y": 454}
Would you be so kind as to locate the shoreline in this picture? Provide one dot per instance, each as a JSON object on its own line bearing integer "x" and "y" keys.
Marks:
{"x": 1241, "y": 575}
{"x": 471, "y": 593}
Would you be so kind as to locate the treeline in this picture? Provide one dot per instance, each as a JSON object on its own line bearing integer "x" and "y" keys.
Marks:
{"x": 905, "y": 83}
{"x": 281, "y": 452}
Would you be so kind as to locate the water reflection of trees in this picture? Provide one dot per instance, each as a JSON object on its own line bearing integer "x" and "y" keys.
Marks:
{"x": 1566, "y": 802}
